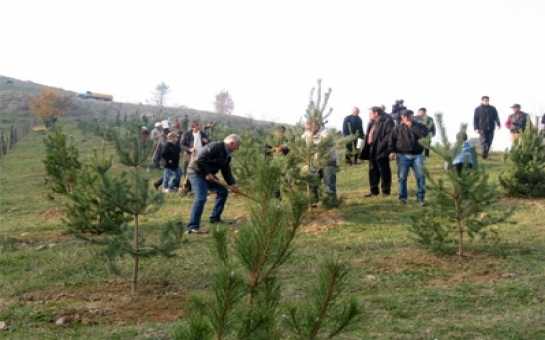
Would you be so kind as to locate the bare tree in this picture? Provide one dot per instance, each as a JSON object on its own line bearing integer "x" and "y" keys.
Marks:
{"x": 160, "y": 94}
{"x": 224, "y": 103}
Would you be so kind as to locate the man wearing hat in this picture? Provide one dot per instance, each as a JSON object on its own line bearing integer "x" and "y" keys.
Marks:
{"x": 484, "y": 119}
{"x": 407, "y": 151}
{"x": 516, "y": 123}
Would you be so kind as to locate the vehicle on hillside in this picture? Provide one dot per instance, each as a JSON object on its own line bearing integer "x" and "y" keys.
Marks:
{"x": 96, "y": 95}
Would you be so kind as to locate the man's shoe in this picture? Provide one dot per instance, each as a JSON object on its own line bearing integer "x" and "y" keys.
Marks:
{"x": 402, "y": 202}
{"x": 370, "y": 195}
{"x": 156, "y": 186}
{"x": 422, "y": 203}
{"x": 166, "y": 190}
{"x": 196, "y": 231}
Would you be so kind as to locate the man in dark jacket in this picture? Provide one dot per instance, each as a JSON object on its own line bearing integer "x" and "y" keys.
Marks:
{"x": 376, "y": 151}
{"x": 484, "y": 119}
{"x": 405, "y": 148}
{"x": 191, "y": 143}
{"x": 171, "y": 155}
{"x": 352, "y": 125}
{"x": 202, "y": 170}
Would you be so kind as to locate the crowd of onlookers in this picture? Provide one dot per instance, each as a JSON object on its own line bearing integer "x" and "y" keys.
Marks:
{"x": 400, "y": 135}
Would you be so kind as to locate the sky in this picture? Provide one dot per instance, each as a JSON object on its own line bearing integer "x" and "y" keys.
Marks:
{"x": 442, "y": 55}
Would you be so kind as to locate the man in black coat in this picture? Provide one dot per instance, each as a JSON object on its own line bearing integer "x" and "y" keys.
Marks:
{"x": 484, "y": 119}
{"x": 352, "y": 125}
{"x": 376, "y": 151}
{"x": 202, "y": 170}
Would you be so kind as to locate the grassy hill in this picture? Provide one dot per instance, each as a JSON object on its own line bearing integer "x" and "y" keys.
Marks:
{"x": 14, "y": 95}
{"x": 496, "y": 292}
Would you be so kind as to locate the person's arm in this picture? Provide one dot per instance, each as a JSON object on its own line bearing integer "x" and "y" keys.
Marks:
{"x": 497, "y": 119}
{"x": 508, "y": 123}
{"x": 476, "y": 121}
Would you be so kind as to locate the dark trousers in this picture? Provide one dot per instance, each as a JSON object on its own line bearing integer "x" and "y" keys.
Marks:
{"x": 486, "y": 137}
{"x": 380, "y": 172}
{"x": 351, "y": 153}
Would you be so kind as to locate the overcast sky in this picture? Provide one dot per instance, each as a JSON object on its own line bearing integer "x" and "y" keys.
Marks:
{"x": 442, "y": 55}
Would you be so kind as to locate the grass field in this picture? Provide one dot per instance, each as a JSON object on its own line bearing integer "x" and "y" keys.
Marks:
{"x": 405, "y": 291}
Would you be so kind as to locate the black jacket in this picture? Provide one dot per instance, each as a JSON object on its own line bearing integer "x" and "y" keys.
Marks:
{"x": 171, "y": 152}
{"x": 405, "y": 140}
{"x": 485, "y": 117}
{"x": 213, "y": 157}
{"x": 352, "y": 125}
{"x": 187, "y": 142}
{"x": 378, "y": 149}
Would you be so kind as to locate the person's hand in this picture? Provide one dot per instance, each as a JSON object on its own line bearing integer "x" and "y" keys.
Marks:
{"x": 392, "y": 156}
{"x": 192, "y": 150}
{"x": 477, "y": 131}
{"x": 210, "y": 177}
{"x": 169, "y": 161}
{"x": 205, "y": 140}
{"x": 278, "y": 149}
{"x": 499, "y": 127}
{"x": 235, "y": 189}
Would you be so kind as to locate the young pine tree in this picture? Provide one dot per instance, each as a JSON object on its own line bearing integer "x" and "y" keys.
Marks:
{"x": 61, "y": 162}
{"x": 130, "y": 194}
{"x": 247, "y": 302}
{"x": 524, "y": 174}
{"x": 461, "y": 199}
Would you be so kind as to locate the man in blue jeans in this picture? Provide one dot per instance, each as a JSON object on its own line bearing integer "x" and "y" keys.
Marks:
{"x": 405, "y": 148}
{"x": 202, "y": 170}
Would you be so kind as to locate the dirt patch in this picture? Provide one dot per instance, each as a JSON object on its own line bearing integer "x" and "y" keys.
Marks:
{"x": 322, "y": 221}
{"x": 472, "y": 268}
{"x": 109, "y": 303}
{"x": 55, "y": 212}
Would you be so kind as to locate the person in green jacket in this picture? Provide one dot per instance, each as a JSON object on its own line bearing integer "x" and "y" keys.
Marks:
{"x": 423, "y": 118}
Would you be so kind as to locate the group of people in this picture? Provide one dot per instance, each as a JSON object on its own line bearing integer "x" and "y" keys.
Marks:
{"x": 397, "y": 136}
{"x": 388, "y": 137}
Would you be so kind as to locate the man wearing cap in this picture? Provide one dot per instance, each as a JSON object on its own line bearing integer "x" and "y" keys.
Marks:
{"x": 407, "y": 151}
{"x": 396, "y": 111}
{"x": 516, "y": 123}
{"x": 484, "y": 119}
{"x": 352, "y": 125}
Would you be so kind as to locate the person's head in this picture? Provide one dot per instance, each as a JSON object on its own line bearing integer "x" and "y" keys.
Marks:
{"x": 383, "y": 107}
{"x": 233, "y": 142}
{"x": 461, "y": 136}
{"x": 375, "y": 112}
{"x": 399, "y": 102}
{"x": 485, "y": 100}
{"x": 312, "y": 126}
{"x": 516, "y": 108}
{"x": 407, "y": 116}
{"x": 422, "y": 111}
{"x": 196, "y": 125}
{"x": 279, "y": 131}
{"x": 355, "y": 111}
{"x": 172, "y": 137}
{"x": 158, "y": 125}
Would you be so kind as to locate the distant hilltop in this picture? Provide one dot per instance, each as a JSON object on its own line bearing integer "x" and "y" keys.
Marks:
{"x": 15, "y": 93}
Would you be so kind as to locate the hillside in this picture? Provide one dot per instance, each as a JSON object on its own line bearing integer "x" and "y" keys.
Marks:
{"x": 14, "y": 96}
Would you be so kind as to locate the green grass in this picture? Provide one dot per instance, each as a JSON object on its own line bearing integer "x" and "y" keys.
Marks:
{"x": 405, "y": 291}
